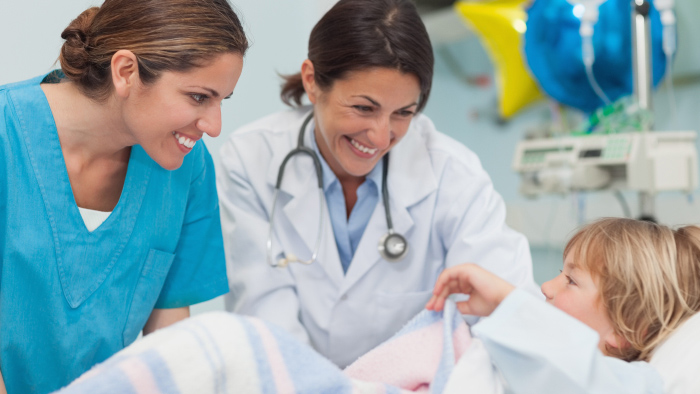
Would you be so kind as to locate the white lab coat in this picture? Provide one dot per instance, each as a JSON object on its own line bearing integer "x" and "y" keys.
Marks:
{"x": 441, "y": 200}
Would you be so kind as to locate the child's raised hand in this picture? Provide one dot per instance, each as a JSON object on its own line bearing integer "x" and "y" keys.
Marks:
{"x": 485, "y": 290}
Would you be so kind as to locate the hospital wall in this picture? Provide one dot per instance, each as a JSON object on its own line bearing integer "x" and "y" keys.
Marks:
{"x": 278, "y": 31}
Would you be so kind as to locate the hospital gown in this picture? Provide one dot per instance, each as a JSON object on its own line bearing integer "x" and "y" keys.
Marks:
{"x": 540, "y": 349}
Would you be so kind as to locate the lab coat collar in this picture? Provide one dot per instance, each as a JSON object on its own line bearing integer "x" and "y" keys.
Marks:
{"x": 410, "y": 154}
{"x": 299, "y": 170}
{"x": 410, "y": 180}
{"x": 329, "y": 178}
{"x": 299, "y": 198}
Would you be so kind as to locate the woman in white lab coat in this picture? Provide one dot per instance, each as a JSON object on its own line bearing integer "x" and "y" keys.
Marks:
{"x": 367, "y": 77}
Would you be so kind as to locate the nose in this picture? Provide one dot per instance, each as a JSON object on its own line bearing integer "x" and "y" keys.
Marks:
{"x": 210, "y": 121}
{"x": 380, "y": 134}
{"x": 548, "y": 289}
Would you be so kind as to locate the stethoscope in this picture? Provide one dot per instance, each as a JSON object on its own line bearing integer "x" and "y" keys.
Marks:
{"x": 392, "y": 246}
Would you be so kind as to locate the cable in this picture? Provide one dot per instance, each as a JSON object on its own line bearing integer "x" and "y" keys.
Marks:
{"x": 623, "y": 203}
{"x": 594, "y": 84}
{"x": 668, "y": 21}
{"x": 588, "y": 19}
{"x": 670, "y": 90}
{"x": 669, "y": 46}
{"x": 552, "y": 252}
{"x": 580, "y": 198}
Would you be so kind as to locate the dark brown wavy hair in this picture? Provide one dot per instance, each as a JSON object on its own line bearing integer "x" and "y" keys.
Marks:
{"x": 165, "y": 35}
{"x": 361, "y": 34}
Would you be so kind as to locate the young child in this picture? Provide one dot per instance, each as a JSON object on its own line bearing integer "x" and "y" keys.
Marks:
{"x": 632, "y": 282}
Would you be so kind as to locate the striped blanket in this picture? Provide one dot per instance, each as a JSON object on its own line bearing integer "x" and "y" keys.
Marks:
{"x": 226, "y": 353}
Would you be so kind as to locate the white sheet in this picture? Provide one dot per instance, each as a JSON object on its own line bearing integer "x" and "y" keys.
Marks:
{"x": 678, "y": 359}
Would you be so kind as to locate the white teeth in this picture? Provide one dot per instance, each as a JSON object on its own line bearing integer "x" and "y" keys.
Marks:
{"x": 363, "y": 148}
{"x": 184, "y": 141}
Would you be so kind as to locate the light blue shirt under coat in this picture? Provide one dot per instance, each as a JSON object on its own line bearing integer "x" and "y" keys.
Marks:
{"x": 348, "y": 230}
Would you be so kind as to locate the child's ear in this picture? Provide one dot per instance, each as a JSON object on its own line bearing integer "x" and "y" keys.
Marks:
{"x": 616, "y": 341}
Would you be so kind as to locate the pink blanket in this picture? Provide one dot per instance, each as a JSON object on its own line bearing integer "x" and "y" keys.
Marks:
{"x": 225, "y": 353}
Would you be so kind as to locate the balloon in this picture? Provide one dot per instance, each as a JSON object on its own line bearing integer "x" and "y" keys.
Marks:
{"x": 553, "y": 51}
{"x": 500, "y": 25}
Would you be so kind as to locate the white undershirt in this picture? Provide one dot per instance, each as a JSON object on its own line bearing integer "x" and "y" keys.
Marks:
{"x": 93, "y": 219}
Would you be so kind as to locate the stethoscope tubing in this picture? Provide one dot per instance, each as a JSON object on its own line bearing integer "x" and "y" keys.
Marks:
{"x": 301, "y": 149}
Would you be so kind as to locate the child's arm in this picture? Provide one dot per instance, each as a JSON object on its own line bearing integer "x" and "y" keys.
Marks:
{"x": 486, "y": 290}
{"x": 540, "y": 349}
{"x": 536, "y": 347}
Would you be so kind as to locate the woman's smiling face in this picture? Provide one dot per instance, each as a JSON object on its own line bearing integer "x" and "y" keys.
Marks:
{"x": 361, "y": 116}
{"x": 170, "y": 116}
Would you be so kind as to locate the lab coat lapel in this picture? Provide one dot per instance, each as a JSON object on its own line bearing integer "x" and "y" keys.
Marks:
{"x": 302, "y": 214}
{"x": 410, "y": 180}
{"x": 299, "y": 203}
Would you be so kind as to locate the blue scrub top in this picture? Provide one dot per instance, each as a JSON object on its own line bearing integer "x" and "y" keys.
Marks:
{"x": 70, "y": 298}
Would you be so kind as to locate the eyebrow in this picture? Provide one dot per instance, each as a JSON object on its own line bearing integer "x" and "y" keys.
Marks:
{"x": 213, "y": 92}
{"x": 378, "y": 105}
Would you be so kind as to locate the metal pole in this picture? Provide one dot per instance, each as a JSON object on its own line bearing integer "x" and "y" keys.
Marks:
{"x": 641, "y": 53}
{"x": 642, "y": 80}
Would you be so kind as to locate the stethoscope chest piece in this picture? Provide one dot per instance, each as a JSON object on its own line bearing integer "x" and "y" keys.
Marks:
{"x": 393, "y": 247}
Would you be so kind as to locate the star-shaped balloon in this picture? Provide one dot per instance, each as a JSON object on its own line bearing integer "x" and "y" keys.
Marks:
{"x": 501, "y": 24}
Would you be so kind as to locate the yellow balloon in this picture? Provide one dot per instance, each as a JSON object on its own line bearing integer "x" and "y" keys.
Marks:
{"x": 501, "y": 25}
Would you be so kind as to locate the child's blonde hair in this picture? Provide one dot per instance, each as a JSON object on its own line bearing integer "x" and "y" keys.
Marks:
{"x": 648, "y": 276}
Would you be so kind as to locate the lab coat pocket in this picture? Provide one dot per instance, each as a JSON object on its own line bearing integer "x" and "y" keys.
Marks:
{"x": 397, "y": 309}
{"x": 146, "y": 293}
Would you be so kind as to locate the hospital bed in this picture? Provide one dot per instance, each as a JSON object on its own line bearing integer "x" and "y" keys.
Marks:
{"x": 226, "y": 353}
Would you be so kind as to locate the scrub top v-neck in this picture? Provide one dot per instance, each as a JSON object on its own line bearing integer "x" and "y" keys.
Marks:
{"x": 70, "y": 297}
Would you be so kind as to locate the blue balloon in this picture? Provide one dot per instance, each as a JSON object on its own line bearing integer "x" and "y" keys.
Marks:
{"x": 553, "y": 51}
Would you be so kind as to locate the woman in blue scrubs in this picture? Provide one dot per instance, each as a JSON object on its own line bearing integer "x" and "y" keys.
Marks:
{"x": 109, "y": 219}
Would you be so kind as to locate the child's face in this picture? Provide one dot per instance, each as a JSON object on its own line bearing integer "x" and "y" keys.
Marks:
{"x": 575, "y": 292}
